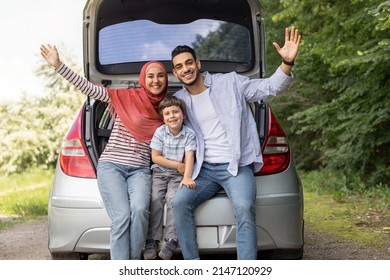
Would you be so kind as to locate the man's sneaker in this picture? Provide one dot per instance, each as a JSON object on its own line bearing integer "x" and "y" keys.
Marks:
{"x": 168, "y": 249}
{"x": 151, "y": 247}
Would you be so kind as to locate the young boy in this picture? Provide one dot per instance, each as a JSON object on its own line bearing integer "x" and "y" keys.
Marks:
{"x": 171, "y": 143}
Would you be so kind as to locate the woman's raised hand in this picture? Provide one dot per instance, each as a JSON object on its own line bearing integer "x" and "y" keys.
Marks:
{"x": 50, "y": 54}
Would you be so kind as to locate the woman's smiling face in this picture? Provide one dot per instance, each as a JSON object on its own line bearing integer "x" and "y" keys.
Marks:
{"x": 155, "y": 80}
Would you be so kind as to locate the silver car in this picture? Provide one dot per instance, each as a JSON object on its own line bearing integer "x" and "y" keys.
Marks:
{"x": 119, "y": 36}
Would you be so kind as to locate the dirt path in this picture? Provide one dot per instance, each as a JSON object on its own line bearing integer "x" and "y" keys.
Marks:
{"x": 28, "y": 241}
{"x": 322, "y": 246}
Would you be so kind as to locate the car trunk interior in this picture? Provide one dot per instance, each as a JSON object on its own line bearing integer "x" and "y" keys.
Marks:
{"x": 99, "y": 122}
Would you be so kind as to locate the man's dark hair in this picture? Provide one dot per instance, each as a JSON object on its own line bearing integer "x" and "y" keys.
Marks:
{"x": 169, "y": 101}
{"x": 183, "y": 49}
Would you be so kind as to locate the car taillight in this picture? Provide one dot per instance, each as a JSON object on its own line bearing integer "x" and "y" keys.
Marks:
{"x": 74, "y": 160}
{"x": 276, "y": 151}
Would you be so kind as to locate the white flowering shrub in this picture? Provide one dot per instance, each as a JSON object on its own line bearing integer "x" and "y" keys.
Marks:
{"x": 32, "y": 129}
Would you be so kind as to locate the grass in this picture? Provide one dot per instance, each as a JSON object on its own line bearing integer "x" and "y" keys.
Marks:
{"x": 26, "y": 202}
{"x": 360, "y": 215}
{"x": 16, "y": 181}
{"x": 24, "y": 196}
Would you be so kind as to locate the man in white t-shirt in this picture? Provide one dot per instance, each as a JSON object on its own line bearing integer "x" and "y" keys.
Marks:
{"x": 228, "y": 148}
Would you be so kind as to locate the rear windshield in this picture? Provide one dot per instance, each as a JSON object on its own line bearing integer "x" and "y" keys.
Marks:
{"x": 144, "y": 40}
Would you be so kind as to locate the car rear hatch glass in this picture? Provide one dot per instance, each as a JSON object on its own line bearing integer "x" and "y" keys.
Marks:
{"x": 120, "y": 36}
{"x": 141, "y": 40}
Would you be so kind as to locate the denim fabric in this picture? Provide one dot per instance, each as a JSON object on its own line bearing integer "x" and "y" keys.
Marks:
{"x": 126, "y": 195}
{"x": 241, "y": 190}
{"x": 164, "y": 186}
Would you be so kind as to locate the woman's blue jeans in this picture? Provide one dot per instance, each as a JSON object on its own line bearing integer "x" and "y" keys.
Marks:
{"x": 240, "y": 189}
{"x": 126, "y": 195}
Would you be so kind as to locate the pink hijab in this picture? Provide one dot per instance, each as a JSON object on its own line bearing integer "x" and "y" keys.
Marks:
{"x": 138, "y": 107}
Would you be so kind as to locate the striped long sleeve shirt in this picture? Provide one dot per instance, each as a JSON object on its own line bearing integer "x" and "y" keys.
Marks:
{"x": 122, "y": 147}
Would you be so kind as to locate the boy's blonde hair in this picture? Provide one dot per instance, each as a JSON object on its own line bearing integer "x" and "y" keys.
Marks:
{"x": 169, "y": 101}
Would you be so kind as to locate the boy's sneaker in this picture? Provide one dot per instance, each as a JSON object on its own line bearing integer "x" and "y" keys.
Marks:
{"x": 168, "y": 249}
{"x": 151, "y": 247}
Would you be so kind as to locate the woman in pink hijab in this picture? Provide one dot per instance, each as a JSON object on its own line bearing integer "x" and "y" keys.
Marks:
{"x": 123, "y": 171}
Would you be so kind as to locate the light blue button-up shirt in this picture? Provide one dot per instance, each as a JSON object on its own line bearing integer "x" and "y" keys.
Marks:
{"x": 172, "y": 147}
{"x": 230, "y": 94}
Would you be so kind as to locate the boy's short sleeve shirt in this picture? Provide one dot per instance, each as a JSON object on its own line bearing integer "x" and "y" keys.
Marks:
{"x": 173, "y": 147}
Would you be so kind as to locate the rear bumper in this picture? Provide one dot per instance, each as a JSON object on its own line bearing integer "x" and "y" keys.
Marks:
{"x": 77, "y": 219}
{"x": 78, "y": 230}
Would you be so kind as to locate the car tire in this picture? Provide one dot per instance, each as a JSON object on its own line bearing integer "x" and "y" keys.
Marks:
{"x": 68, "y": 256}
{"x": 291, "y": 254}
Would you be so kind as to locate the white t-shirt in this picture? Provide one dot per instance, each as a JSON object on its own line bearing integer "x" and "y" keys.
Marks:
{"x": 215, "y": 139}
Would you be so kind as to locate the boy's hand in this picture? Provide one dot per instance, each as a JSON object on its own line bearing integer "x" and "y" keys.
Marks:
{"x": 188, "y": 182}
{"x": 181, "y": 168}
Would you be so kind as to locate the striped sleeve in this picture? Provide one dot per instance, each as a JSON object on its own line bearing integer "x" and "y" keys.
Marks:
{"x": 124, "y": 149}
{"x": 85, "y": 86}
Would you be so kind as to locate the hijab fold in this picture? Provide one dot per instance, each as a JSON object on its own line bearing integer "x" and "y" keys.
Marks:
{"x": 138, "y": 107}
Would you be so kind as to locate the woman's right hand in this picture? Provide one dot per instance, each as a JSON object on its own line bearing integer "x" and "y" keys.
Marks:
{"x": 50, "y": 54}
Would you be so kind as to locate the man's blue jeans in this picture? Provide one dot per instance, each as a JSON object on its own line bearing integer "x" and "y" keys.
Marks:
{"x": 240, "y": 189}
{"x": 126, "y": 195}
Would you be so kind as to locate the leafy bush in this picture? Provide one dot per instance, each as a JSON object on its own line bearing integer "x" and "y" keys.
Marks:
{"x": 343, "y": 77}
{"x": 336, "y": 184}
{"x": 32, "y": 128}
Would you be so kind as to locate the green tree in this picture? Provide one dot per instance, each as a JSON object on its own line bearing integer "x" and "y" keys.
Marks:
{"x": 299, "y": 96}
{"x": 32, "y": 128}
{"x": 230, "y": 42}
{"x": 345, "y": 54}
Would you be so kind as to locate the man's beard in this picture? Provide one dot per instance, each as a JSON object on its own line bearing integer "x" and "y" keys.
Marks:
{"x": 193, "y": 82}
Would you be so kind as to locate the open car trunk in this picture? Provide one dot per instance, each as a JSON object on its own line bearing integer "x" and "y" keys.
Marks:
{"x": 121, "y": 35}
